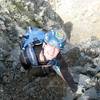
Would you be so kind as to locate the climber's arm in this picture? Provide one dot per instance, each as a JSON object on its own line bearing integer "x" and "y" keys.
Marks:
{"x": 65, "y": 74}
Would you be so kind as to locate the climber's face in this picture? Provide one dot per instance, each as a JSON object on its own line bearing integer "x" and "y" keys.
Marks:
{"x": 50, "y": 52}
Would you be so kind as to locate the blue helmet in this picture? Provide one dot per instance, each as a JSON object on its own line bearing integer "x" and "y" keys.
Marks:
{"x": 55, "y": 38}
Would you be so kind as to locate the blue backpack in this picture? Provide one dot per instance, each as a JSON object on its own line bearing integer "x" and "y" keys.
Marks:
{"x": 33, "y": 36}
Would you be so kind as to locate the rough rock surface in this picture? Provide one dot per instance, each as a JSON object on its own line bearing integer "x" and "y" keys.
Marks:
{"x": 83, "y": 59}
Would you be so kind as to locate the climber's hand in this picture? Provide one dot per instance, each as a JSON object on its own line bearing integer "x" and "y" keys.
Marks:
{"x": 80, "y": 91}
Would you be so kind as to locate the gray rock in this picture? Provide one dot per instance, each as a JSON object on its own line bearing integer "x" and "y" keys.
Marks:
{"x": 90, "y": 69}
{"x": 96, "y": 61}
{"x": 69, "y": 95}
{"x": 14, "y": 54}
{"x": 2, "y": 25}
{"x": 72, "y": 55}
{"x": 2, "y": 41}
{"x": 85, "y": 81}
{"x": 98, "y": 88}
{"x": 20, "y": 30}
{"x": 2, "y": 70}
{"x": 90, "y": 94}
{"x": 98, "y": 75}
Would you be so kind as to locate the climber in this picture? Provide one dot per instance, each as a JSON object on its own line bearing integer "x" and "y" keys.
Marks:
{"x": 41, "y": 49}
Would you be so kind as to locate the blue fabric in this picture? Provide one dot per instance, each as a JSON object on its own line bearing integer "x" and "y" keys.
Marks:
{"x": 55, "y": 66}
{"x": 31, "y": 55}
{"x": 33, "y": 35}
{"x": 54, "y": 62}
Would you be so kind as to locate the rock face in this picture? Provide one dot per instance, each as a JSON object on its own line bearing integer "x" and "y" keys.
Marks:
{"x": 83, "y": 59}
